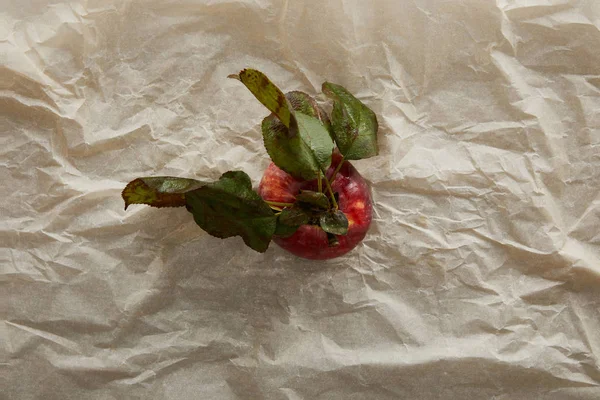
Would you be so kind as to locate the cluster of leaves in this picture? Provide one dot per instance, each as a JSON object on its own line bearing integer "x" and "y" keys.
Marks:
{"x": 299, "y": 138}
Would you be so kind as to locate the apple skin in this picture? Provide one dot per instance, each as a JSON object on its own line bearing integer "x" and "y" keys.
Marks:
{"x": 354, "y": 200}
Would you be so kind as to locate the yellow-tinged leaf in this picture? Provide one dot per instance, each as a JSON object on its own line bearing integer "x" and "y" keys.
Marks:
{"x": 160, "y": 191}
{"x": 268, "y": 94}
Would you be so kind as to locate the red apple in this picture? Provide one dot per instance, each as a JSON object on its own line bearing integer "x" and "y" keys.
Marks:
{"x": 310, "y": 218}
{"x": 354, "y": 200}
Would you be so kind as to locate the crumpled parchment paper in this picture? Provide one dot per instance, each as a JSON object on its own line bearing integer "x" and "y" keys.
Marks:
{"x": 480, "y": 276}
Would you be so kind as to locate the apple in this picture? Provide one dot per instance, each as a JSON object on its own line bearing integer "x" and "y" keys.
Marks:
{"x": 354, "y": 200}
{"x": 311, "y": 201}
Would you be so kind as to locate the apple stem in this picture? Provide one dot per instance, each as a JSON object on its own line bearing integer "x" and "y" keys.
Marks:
{"x": 332, "y": 240}
{"x": 337, "y": 169}
{"x": 278, "y": 204}
{"x": 335, "y": 205}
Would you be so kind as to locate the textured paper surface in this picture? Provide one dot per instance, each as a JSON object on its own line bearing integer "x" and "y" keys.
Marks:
{"x": 480, "y": 276}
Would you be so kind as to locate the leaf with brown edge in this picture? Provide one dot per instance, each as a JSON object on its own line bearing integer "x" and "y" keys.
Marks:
{"x": 354, "y": 124}
{"x": 159, "y": 191}
{"x": 305, "y": 104}
{"x": 269, "y": 95}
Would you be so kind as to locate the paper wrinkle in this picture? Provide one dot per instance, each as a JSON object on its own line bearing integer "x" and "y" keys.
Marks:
{"x": 479, "y": 277}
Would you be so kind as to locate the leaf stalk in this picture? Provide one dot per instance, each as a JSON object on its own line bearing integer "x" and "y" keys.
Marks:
{"x": 335, "y": 205}
{"x": 278, "y": 204}
{"x": 337, "y": 169}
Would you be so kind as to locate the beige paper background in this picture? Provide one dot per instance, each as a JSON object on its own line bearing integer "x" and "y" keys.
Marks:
{"x": 480, "y": 276}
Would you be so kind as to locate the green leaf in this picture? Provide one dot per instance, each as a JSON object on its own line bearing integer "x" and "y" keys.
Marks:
{"x": 229, "y": 207}
{"x": 289, "y": 220}
{"x": 294, "y": 216}
{"x": 302, "y": 155}
{"x": 159, "y": 191}
{"x": 283, "y": 230}
{"x": 268, "y": 94}
{"x": 316, "y": 136}
{"x": 334, "y": 222}
{"x": 298, "y": 134}
{"x": 354, "y": 124}
{"x": 316, "y": 199}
